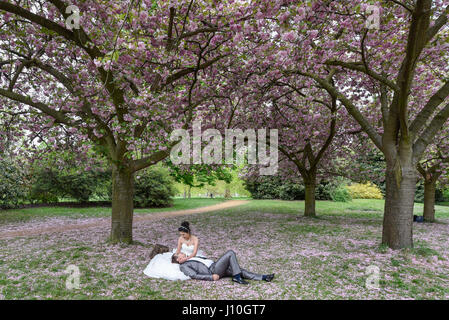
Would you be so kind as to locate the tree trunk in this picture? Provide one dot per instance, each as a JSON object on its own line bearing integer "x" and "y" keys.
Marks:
{"x": 429, "y": 200}
{"x": 399, "y": 202}
{"x": 122, "y": 205}
{"x": 309, "y": 205}
{"x": 190, "y": 192}
{"x": 228, "y": 192}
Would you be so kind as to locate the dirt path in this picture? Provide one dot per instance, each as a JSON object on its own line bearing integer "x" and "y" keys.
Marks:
{"x": 104, "y": 222}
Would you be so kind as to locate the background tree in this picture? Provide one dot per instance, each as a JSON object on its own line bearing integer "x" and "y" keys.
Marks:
{"x": 433, "y": 168}
{"x": 199, "y": 175}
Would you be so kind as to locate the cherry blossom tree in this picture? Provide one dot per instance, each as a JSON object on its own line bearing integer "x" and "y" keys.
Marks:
{"x": 310, "y": 127}
{"x": 403, "y": 57}
{"x": 122, "y": 77}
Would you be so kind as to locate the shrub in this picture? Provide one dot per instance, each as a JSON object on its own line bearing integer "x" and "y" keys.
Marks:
{"x": 49, "y": 185}
{"x": 153, "y": 187}
{"x": 439, "y": 195}
{"x": 364, "y": 191}
{"x": 323, "y": 190}
{"x": 82, "y": 186}
{"x": 45, "y": 187}
{"x": 13, "y": 190}
{"x": 419, "y": 193}
{"x": 264, "y": 187}
{"x": 291, "y": 191}
{"x": 274, "y": 187}
{"x": 445, "y": 195}
{"x": 340, "y": 194}
{"x": 333, "y": 190}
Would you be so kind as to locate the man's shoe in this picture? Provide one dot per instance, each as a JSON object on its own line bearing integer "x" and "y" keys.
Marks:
{"x": 239, "y": 280}
{"x": 269, "y": 277}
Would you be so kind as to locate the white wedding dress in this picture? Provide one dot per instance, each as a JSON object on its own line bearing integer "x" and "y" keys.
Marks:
{"x": 162, "y": 267}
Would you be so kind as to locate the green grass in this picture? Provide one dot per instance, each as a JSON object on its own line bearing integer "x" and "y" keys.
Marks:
{"x": 356, "y": 208}
{"x": 314, "y": 258}
{"x": 362, "y": 208}
{"x": 23, "y": 215}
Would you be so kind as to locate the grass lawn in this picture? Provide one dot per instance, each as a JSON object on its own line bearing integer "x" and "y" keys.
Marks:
{"x": 23, "y": 215}
{"x": 327, "y": 257}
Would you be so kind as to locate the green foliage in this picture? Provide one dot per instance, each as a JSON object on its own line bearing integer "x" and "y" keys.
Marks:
{"x": 340, "y": 194}
{"x": 322, "y": 191}
{"x": 12, "y": 185}
{"x": 198, "y": 176}
{"x": 263, "y": 187}
{"x": 439, "y": 195}
{"x": 334, "y": 190}
{"x": 273, "y": 187}
{"x": 291, "y": 191}
{"x": 153, "y": 188}
{"x": 84, "y": 185}
{"x": 45, "y": 187}
{"x": 49, "y": 185}
{"x": 419, "y": 194}
{"x": 236, "y": 188}
{"x": 445, "y": 195}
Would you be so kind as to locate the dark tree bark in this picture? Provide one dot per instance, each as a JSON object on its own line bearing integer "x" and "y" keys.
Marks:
{"x": 429, "y": 201}
{"x": 431, "y": 177}
{"x": 399, "y": 202}
{"x": 309, "y": 205}
{"x": 122, "y": 204}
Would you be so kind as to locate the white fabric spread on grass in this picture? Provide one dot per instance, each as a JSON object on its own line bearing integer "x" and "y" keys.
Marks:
{"x": 161, "y": 266}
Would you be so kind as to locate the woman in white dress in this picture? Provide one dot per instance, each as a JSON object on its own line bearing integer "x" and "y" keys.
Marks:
{"x": 162, "y": 267}
{"x": 187, "y": 242}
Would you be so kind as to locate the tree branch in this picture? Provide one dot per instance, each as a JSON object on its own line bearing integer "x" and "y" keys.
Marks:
{"x": 360, "y": 66}
{"x": 429, "y": 133}
{"x": 439, "y": 23}
{"x": 352, "y": 109}
{"x": 150, "y": 160}
{"x": 430, "y": 107}
{"x": 58, "y": 116}
{"x": 187, "y": 71}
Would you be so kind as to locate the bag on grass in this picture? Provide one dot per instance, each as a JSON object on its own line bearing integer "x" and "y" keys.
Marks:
{"x": 158, "y": 248}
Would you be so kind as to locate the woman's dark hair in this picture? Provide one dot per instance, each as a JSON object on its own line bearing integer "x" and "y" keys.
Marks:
{"x": 185, "y": 227}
